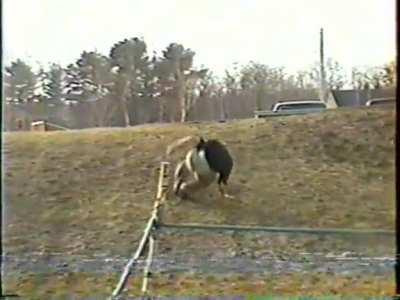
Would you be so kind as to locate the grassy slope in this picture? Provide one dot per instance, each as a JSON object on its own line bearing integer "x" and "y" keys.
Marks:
{"x": 90, "y": 191}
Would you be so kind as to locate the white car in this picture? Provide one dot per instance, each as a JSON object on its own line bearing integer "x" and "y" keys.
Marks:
{"x": 301, "y": 106}
{"x": 381, "y": 101}
{"x": 283, "y": 108}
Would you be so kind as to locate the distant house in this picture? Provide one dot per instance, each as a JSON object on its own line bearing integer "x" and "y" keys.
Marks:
{"x": 17, "y": 117}
{"x": 43, "y": 125}
{"x": 354, "y": 98}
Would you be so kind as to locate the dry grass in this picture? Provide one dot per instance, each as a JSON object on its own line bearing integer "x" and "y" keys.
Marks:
{"x": 83, "y": 286}
{"x": 291, "y": 285}
{"x": 88, "y": 192}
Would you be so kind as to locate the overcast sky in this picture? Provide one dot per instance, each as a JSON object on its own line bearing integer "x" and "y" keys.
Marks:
{"x": 274, "y": 32}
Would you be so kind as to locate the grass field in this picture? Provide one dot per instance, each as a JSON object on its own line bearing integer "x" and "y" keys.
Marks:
{"x": 90, "y": 192}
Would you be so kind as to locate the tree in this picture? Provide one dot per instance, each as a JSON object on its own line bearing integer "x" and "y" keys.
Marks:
{"x": 382, "y": 76}
{"x": 374, "y": 77}
{"x": 129, "y": 61}
{"x": 175, "y": 71}
{"x": 335, "y": 75}
{"x": 39, "y": 108}
{"x": 9, "y": 87}
{"x": 263, "y": 79}
{"x": 389, "y": 74}
{"x": 42, "y": 82}
{"x": 232, "y": 80}
{"x": 73, "y": 89}
{"x": 55, "y": 84}
{"x": 21, "y": 82}
{"x": 208, "y": 86}
{"x": 359, "y": 80}
{"x": 95, "y": 79}
{"x": 304, "y": 81}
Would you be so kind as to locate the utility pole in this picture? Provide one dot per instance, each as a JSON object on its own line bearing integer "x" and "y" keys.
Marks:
{"x": 322, "y": 67}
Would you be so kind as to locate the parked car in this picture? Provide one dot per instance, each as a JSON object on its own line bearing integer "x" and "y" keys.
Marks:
{"x": 381, "y": 101}
{"x": 283, "y": 108}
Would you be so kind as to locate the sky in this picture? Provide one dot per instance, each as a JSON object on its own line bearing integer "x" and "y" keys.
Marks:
{"x": 221, "y": 32}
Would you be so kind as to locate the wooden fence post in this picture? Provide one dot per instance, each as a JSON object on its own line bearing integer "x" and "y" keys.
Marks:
{"x": 161, "y": 197}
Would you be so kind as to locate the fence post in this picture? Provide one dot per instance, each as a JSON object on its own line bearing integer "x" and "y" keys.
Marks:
{"x": 146, "y": 272}
{"x": 161, "y": 197}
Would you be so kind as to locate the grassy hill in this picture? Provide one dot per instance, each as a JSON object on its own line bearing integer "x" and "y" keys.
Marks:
{"x": 90, "y": 192}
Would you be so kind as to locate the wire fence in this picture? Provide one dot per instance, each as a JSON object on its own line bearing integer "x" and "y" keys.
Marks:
{"x": 222, "y": 257}
{"x": 318, "y": 231}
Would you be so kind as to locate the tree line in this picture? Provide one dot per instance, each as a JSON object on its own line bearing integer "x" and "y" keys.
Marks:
{"x": 131, "y": 86}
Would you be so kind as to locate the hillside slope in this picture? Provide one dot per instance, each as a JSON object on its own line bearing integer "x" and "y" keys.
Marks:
{"x": 91, "y": 191}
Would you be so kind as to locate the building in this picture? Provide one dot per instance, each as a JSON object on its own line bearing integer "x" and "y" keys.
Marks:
{"x": 355, "y": 98}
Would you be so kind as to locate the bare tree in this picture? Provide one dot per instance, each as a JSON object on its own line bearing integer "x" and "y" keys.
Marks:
{"x": 374, "y": 77}
{"x": 263, "y": 79}
{"x": 334, "y": 72}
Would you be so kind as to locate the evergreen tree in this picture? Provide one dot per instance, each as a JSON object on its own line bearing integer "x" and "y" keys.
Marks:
{"x": 21, "y": 82}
